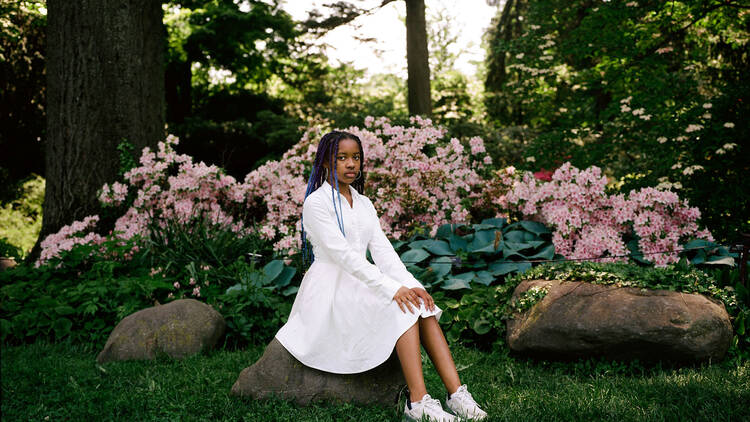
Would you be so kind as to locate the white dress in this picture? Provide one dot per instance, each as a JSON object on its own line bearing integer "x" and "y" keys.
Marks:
{"x": 344, "y": 319}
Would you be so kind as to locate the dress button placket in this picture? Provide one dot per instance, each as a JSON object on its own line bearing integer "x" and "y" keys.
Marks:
{"x": 355, "y": 225}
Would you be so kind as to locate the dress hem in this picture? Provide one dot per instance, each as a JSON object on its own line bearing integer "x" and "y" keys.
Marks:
{"x": 436, "y": 313}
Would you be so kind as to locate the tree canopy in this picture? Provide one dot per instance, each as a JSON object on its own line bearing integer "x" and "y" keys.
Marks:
{"x": 655, "y": 92}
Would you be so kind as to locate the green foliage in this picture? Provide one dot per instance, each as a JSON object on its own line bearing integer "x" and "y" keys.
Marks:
{"x": 80, "y": 296}
{"x": 79, "y": 300}
{"x": 529, "y": 298}
{"x": 255, "y": 307}
{"x": 478, "y": 315}
{"x": 21, "y": 219}
{"x": 127, "y": 157}
{"x": 224, "y": 61}
{"x": 509, "y": 389}
{"x": 7, "y": 250}
{"x": 462, "y": 256}
{"x": 180, "y": 252}
{"x": 652, "y": 92}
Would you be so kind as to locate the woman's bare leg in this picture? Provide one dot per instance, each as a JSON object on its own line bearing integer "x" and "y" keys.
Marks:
{"x": 436, "y": 346}
{"x": 408, "y": 351}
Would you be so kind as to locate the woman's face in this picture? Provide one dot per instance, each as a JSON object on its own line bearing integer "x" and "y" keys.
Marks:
{"x": 348, "y": 162}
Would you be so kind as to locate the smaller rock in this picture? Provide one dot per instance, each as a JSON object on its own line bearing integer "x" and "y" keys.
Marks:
{"x": 179, "y": 329}
{"x": 280, "y": 374}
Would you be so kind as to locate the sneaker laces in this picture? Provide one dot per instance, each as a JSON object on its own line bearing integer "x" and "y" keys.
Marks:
{"x": 428, "y": 401}
{"x": 463, "y": 395}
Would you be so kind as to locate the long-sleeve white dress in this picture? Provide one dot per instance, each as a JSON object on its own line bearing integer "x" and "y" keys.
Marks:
{"x": 344, "y": 319}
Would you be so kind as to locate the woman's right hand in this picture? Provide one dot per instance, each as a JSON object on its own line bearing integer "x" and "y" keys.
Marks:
{"x": 405, "y": 297}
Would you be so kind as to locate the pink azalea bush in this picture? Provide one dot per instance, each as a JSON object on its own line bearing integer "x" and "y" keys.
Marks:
{"x": 589, "y": 223}
{"x": 413, "y": 178}
{"x": 416, "y": 179}
{"x": 68, "y": 237}
{"x": 168, "y": 188}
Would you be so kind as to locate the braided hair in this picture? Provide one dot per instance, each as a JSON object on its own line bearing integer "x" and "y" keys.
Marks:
{"x": 328, "y": 150}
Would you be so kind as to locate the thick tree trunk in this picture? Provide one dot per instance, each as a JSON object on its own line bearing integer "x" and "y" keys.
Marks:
{"x": 105, "y": 85}
{"x": 417, "y": 59}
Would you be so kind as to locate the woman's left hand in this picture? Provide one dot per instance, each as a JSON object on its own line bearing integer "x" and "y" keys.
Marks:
{"x": 429, "y": 303}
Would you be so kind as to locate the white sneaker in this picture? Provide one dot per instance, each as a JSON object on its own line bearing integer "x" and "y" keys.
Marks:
{"x": 427, "y": 408}
{"x": 462, "y": 404}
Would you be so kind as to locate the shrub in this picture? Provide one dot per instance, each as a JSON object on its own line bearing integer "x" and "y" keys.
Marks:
{"x": 415, "y": 178}
{"x": 78, "y": 300}
{"x": 478, "y": 316}
{"x": 589, "y": 223}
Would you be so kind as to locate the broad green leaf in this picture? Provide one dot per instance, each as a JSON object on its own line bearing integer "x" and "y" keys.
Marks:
{"x": 535, "y": 243}
{"x": 485, "y": 236}
{"x": 236, "y": 288}
{"x": 489, "y": 247}
{"x": 415, "y": 270}
{"x": 458, "y": 243}
{"x": 420, "y": 244}
{"x": 507, "y": 253}
{"x": 290, "y": 290}
{"x": 515, "y": 246}
{"x": 455, "y": 284}
{"x": 439, "y": 247}
{"x": 468, "y": 276}
{"x": 285, "y": 277}
{"x": 273, "y": 269}
{"x": 454, "y": 334}
{"x": 699, "y": 243}
{"x": 515, "y": 236}
{"x": 547, "y": 252}
{"x": 441, "y": 266}
{"x": 506, "y": 267}
{"x": 482, "y": 226}
{"x": 496, "y": 222}
{"x": 413, "y": 256}
{"x": 484, "y": 241}
{"x": 727, "y": 260}
{"x": 397, "y": 244}
{"x": 426, "y": 275}
{"x": 482, "y": 326}
{"x": 450, "y": 303}
{"x": 484, "y": 277}
{"x": 534, "y": 227}
{"x": 445, "y": 231}
{"x": 699, "y": 257}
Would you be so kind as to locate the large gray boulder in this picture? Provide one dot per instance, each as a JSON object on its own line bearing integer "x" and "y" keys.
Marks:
{"x": 577, "y": 319}
{"x": 280, "y": 374}
{"x": 178, "y": 329}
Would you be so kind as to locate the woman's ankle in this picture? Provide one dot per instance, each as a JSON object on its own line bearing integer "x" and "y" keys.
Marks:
{"x": 416, "y": 396}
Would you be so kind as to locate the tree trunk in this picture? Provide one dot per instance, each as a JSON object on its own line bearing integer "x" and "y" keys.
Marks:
{"x": 105, "y": 85}
{"x": 417, "y": 59}
{"x": 505, "y": 107}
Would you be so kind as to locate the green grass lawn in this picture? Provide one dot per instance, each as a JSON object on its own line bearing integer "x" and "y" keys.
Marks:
{"x": 58, "y": 382}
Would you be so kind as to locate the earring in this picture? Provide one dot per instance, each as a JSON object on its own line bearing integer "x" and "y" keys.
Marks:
{"x": 359, "y": 176}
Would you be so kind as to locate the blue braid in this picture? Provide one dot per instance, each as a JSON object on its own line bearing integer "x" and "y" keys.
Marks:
{"x": 339, "y": 217}
{"x": 330, "y": 141}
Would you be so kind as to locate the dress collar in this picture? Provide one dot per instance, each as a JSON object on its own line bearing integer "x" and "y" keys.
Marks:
{"x": 327, "y": 186}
